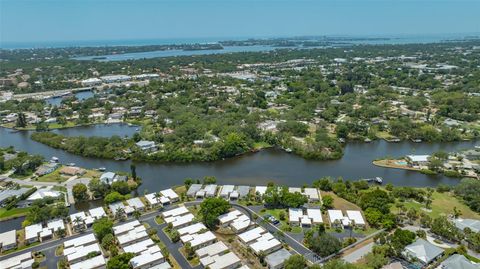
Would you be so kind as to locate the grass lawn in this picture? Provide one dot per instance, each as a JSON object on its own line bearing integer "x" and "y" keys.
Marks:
{"x": 159, "y": 220}
{"x": 12, "y": 213}
{"x": 180, "y": 189}
{"x": 340, "y": 203}
{"x": 383, "y": 135}
{"x": 59, "y": 250}
{"x": 194, "y": 261}
{"x": 261, "y": 145}
{"x": 59, "y": 188}
{"x": 442, "y": 205}
{"x": 52, "y": 177}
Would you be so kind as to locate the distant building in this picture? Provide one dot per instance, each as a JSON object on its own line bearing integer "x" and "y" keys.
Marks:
{"x": 91, "y": 82}
{"x": 115, "y": 78}
{"x": 46, "y": 169}
{"x": 147, "y": 146}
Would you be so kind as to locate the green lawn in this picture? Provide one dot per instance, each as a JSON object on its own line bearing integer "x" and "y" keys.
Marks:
{"x": 12, "y": 213}
{"x": 261, "y": 145}
{"x": 53, "y": 177}
{"x": 442, "y": 205}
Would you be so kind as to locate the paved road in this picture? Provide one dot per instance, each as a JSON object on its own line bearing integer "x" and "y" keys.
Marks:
{"x": 358, "y": 254}
{"x": 172, "y": 247}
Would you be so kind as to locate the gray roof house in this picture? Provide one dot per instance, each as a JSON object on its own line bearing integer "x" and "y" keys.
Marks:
{"x": 458, "y": 261}
{"x": 423, "y": 251}
{"x": 473, "y": 224}
{"x": 277, "y": 258}
{"x": 193, "y": 189}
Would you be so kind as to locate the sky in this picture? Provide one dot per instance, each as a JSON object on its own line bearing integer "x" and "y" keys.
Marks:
{"x": 77, "y": 20}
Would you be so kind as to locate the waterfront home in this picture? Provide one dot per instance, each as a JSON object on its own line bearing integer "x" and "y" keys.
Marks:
{"x": 46, "y": 169}
{"x": 41, "y": 194}
{"x": 242, "y": 191}
{"x": 154, "y": 199}
{"x": 170, "y": 194}
{"x": 260, "y": 190}
{"x": 72, "y": 171}
{"x": 193, "y": 189}
{"x": 107, "y": 177}
{"x": 8, "y": 240}
{"x": 418, "y": 160}
{"x": 119, "y": 206}
{"x": 276, "y": 259}
{"x": 423, "y": 251}
{"x": 56, "y": 225}
{"x": 146, "y": 146}
{"x": 22, "y": 261}
{"x": 226, "y": 190}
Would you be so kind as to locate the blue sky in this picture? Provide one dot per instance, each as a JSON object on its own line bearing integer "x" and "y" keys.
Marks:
{"x": 70, "y": 20}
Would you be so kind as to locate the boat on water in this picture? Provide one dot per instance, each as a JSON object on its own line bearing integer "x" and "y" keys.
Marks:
{"x": 70, "y": 164}
{"x": 377, "y": 180}
{"x": 417, "y": 140}
{"x": 101, "y": 169}
{"x": 54, "y": 159}
{"x": 288, "y": 150}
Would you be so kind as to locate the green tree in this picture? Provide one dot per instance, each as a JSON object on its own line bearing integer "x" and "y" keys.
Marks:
{"x": 211, "y": 208}
{"x": 295, "y": 261}
{"x": 102, "y": 227}
{"x": 121, "y": 187}
{"x": 120, "y": 261}
{"x": 21, "y": 120}
{"x": 133, "y": 171}
{"x": 80, "y": 192}
{"x": 324, "y": 244}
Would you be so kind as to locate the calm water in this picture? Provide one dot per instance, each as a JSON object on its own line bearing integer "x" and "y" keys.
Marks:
{"x": 251, "y": 169}
{"x": 56, "y": 101}
{"x": 170, "y": 53}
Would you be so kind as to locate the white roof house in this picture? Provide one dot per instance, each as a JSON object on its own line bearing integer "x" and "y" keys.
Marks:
{"x": 212, "y": 250}
{"x": 227, "y": 218}
{"x": 56, "y": 225}
{"x": 97, "y": 212}
{"x": 277, "y": 259}
{"x": 307, "y": 218}
{"x": 77, "y": 254}
{"x": 295, "y": 214}
{"x": 32, "y": 231}
{"x": 335, "y": 215}
{"x": 22, "y": 261}
{"x": 147, "y": 260}
{"x": 312, "y": 194}
{"x": 80, "y": 215}
{"x": 80, "y": 241}
{"x": 251, "y": 235}
{"x": 180, "y": 221}
{"x": 315, "y": 214}
{"x": 43, "y": 193}
{"x": 170, "y": 194}
{"x": 193, "y": 189}
{"x": 226, "y": 190}
{"x": 182, "y": 210}
{"x": 210, "y": 190}
{"x": 136, "y": 235}
{"x": 139, "y": 247}
{"x": 126, "y": 227}
{"x": 192, "y": 229}
{"x": 228, "y": 260}
{"x": 267, "y": 243}
{"x": 203, "y": 239}
{"x": 136, "y": 203}
{"x": 152, "y": 200}
{"x": 418, "y": 158}
{"x": 92, "y": 263}
{"x": 8, "y": 240}
{"x": 356, "y": 216}
{"x": 113, "y": 208}
{"x": 261, "y": 189}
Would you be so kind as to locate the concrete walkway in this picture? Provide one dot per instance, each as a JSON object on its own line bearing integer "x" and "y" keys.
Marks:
{"x": 359, "y": 253}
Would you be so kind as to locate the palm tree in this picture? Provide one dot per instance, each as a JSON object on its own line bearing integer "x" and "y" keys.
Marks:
{"x": 137, "y": 214}
{"x": 120, "y": 213}
{"x": 157, "y": 197}
{"x": 352, "y": 226}
{"x": 77, "y": 221}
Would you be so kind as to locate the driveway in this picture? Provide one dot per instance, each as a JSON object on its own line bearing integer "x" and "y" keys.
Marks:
{"x": 358, "y": 254}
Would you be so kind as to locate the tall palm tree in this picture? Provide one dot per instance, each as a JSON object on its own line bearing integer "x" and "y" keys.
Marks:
{"x": 120, "y": 213}
{"x": 157, "y": 197}
{"x": 77, "y": 221}
{"x": 137, "y": 214}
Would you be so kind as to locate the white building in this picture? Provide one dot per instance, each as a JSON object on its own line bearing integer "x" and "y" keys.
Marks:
{"x": 336, "y": 217}
{"x": 147, "y": 146}
{"x": 22, "y": 261}
{"x": 136, "y": 203}
{"x": 32, "y": 232}
{"x": 97, "y": 262}
{"x": 170, "y": 194}
{"x": 356, "y": 217}
{"x": 97, "y": 213}
{"x": 8, "y": 240}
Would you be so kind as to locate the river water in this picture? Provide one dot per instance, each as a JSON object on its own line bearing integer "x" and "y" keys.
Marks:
{"x": 250, "y": 169}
